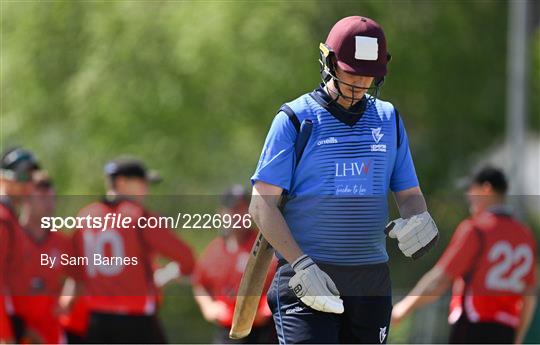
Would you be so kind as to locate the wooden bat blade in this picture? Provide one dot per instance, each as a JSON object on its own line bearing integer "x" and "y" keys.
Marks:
{"x": 251, "y": 287}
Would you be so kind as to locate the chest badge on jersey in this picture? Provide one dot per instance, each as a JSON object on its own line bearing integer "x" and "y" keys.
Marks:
{"x": 377, "y": 136}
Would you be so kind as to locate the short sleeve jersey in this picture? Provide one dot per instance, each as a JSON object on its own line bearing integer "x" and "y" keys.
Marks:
{"x": 338, "y": 207}
{"x": 129, "y": 288}
{"x": 491, "y": 258}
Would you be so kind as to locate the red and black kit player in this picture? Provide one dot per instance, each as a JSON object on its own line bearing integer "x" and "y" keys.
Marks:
{"x": 218, "y": 273}
{"x": 117, "y": 282}
{"x": 36, "y": 287}
{"x": 491, "y": 262}
{"x": 16, "y": 168}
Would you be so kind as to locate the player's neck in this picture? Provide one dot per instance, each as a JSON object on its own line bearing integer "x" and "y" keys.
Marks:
{"x": 492, "y": 203}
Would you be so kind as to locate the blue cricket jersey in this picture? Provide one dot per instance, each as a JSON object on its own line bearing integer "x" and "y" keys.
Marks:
{"x": 339, "y": 190}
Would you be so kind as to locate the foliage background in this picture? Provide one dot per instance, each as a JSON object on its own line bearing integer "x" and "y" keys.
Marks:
{"x": 191, "y": 88}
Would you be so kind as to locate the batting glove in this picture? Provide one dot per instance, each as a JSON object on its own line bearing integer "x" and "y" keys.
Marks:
{"x": 314, "y": 287}
{"x": 415, "y": 235}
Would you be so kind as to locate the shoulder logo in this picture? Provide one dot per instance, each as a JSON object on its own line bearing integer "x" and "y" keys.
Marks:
{"x": 376, "y": 134}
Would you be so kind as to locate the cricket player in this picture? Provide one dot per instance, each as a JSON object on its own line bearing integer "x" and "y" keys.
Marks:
{"x": 122, "y": 298}
{"x": 218, "y": 273}
{"x": 36, "y": 288}
{"x": 332, "y": 284}
{"x": 491, "y": 261}
{"x": 16, "y": 168}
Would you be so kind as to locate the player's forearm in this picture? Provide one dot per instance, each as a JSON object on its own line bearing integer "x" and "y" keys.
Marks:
{"x": 275, "y": 230}
{"x": 204, "y": 300}
{"x": 527, "y": 313}
{"x": 413, "y": 302}
{"x": 410, "y": 202}
{"x": 68, "y": 294}
{"x": 432, "y": 285}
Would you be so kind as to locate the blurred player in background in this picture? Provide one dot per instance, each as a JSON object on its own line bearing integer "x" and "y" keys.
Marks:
{"x": 123, "y": 298}
{"x": 218, "y": 273}
{"x": 36, "y": 288}
{"x": 491, "y": 261}
{"x": 16, "y": 168}
{"x": 74, "y": 313}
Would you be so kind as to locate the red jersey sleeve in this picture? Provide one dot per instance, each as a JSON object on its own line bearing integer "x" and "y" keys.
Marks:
{"x": 459, "y": 256}
{"x": 166, "y": 243}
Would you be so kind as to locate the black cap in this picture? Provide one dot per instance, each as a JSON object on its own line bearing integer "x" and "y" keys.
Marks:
{"x": 233, "y": 195}
{"x": 494, "y": 176}
{"x": 18, "y": 164}
{"x": 130, "y": 167}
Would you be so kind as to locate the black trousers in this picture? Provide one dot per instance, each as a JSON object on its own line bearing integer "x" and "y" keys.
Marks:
{"x": 366, "y": 294}
{"x": 19, "y": 328}
{"x": 74, "y": 338}
{"x": 124, "y": 329}
{"x": 467, "y": 332}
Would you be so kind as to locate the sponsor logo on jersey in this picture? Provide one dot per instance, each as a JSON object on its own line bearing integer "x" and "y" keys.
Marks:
{"x": 353, "y": 168}
{"x": 330, "y": 140}
{"x": 353, "y": 176}
{"x": 351, "y": 189}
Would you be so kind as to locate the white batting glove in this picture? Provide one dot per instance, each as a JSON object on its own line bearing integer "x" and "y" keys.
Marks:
{"x": 314, "y": 287}
{"x": 168, "y": 273}
{"x": 415, "y": 235}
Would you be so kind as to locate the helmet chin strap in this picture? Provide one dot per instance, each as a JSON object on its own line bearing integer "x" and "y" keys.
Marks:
{"x": 338, "y": 93}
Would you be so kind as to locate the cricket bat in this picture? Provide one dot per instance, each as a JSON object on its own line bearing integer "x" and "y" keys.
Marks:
{"x": 254, "y": 277}
{"x": 251, "y": 288}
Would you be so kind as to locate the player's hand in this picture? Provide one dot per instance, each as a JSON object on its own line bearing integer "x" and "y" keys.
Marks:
{"x": 314, "y": 287}
{"x": 415, "y": 235}
{"x": 216, "y": 311}
{"x": 166, "y": 274}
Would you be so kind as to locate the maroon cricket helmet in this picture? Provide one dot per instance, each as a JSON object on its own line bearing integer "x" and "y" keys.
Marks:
{"x": 359, "y": 46}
